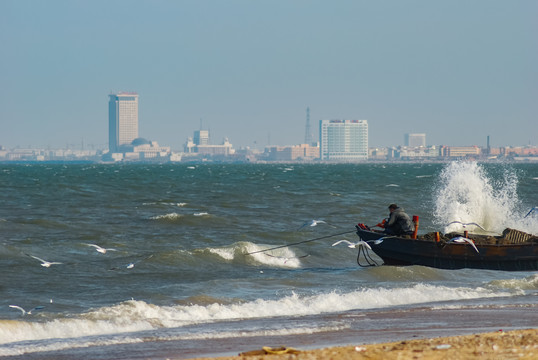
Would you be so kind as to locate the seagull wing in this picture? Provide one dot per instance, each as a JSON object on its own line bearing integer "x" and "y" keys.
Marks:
{"x": 364, "y": 243}
{"x": 475, "y": 224}
{"x": 469, "y": 241}
{"x": 18, "y": 308}
{"x": 464, "y": 224}
{"x": 343, "y": 241}
{"x": 461, "y": 239}
{"x": 36, "y": 308}
{"x": 302, "y": 226}
{"x": 35, "y": 257}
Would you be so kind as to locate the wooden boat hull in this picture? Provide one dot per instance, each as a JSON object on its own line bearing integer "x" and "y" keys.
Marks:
{"x": 442, "y": 255}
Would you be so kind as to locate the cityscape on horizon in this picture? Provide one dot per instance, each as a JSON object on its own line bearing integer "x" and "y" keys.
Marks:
{"x": 339, "y": 140}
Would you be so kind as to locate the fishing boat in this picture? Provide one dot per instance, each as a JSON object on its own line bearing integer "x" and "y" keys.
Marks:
{"x": 512, "y": 251}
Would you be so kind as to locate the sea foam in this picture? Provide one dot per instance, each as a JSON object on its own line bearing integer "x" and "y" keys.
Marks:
{"x": 134, "y": 316}
{"x": 465, "y": 192}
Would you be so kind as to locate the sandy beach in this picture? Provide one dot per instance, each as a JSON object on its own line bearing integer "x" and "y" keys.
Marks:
{"x": 516, "y": 344}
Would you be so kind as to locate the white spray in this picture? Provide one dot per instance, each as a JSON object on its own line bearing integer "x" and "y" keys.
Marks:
{"x": 466, "y": 194}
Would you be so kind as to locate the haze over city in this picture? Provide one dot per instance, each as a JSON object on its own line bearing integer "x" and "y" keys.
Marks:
{"x": 247, "y": 70}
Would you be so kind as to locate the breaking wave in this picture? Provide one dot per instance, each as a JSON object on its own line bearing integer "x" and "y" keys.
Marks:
{"x": 467, "y": 193}
{"x": 135, "y": 316}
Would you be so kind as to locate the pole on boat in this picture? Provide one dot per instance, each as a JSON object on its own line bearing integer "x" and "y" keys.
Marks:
{"x": 415, "y": 220}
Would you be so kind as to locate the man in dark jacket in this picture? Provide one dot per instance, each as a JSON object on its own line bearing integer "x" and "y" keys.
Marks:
{"x": 399, "y": 222}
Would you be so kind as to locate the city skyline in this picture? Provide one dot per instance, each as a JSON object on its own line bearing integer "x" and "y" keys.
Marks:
{"x": 457, "y": 71}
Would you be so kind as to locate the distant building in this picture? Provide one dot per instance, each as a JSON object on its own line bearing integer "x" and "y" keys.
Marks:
{"x": 199, "y": 145}
{"x": 140, "y": 149}
{"x": 122, "y": 120}
{"x": 460, "y": 151}
{"x": 201, "y": 137}
{"x": 414, "y": 140}
{"x": 418, "y": 152}
{"x": 304, "y": 152}
{"x": 343, "y": 140}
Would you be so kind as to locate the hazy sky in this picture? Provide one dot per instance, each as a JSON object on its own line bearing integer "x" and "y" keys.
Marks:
{"x": 455, "y": 70}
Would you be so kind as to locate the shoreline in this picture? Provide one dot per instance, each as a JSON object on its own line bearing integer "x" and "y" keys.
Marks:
{"x": 513, "y": 344}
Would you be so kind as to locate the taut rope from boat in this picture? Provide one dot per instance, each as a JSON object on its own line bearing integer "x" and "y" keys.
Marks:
{"x": 300, "y": 242}
{"x": 530, "y": 212}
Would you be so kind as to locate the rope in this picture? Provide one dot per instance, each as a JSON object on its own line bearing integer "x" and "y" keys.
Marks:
{"x": 369, "y": 260}
{"x": 530, "y": 212}
{"x": 300, "y": 242}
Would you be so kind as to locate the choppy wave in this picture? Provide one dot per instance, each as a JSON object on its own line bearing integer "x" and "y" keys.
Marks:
{"x": 134, "y": 316}
{"x": 528, "y": 283}
{"x": 167, "y": 217}
{"x": 254, "y": 254}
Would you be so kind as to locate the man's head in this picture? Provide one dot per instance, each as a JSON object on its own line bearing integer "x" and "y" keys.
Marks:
{"x": 392, "y": 207}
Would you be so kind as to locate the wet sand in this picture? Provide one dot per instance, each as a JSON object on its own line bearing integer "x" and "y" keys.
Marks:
{"x": 516, "y": 344}
{"x": 504, "y": 332}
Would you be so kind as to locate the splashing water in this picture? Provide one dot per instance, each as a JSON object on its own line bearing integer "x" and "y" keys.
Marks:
{"x": 466, "y": 193}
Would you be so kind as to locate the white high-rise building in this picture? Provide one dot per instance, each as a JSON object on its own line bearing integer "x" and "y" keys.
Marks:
{"x": 122, "y": 120}
{"x": 343, "y": 140}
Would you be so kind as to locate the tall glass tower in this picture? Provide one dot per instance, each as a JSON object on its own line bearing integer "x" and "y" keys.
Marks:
{"x": 122, "y": 120}
{"x": 343, "y": 140}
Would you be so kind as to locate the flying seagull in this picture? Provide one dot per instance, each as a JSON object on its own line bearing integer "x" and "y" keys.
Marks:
{"x": 465, "y": 224}
{"x": 45, "y": 263}
{"x": 24, "y": 312}
{"x": 461, "y": 239}
{"x": 101, "y": 249}
{"x": 353, "y": 245}
{"x": 313, "y": 223}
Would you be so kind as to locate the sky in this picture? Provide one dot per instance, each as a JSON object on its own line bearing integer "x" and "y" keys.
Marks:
{"x": 458, "y": 71}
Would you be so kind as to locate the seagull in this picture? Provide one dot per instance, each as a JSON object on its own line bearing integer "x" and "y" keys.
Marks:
{"x": 45, "y": 263}
{"x": 313, "y": 223}
{"x": 353, "y": 245}
{"x": 100, "y": 249}
{"x": 131, "y": 264}
{"x": 464, "y": 224}
{"x": 461, "y": 239}
{"x": 24, "y": 312}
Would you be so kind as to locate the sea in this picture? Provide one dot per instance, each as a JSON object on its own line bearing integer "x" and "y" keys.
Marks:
{"x": 213, "y": 259}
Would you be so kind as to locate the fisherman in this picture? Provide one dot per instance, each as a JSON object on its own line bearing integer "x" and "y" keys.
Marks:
{"x": 398, "y": 223}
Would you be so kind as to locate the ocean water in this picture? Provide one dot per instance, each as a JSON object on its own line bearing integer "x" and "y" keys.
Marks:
{"x": 177, "y": 280}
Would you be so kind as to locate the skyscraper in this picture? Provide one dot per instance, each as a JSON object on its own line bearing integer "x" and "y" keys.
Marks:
{"x": 343, "y": 140}
{"x": 122, "y": 120}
